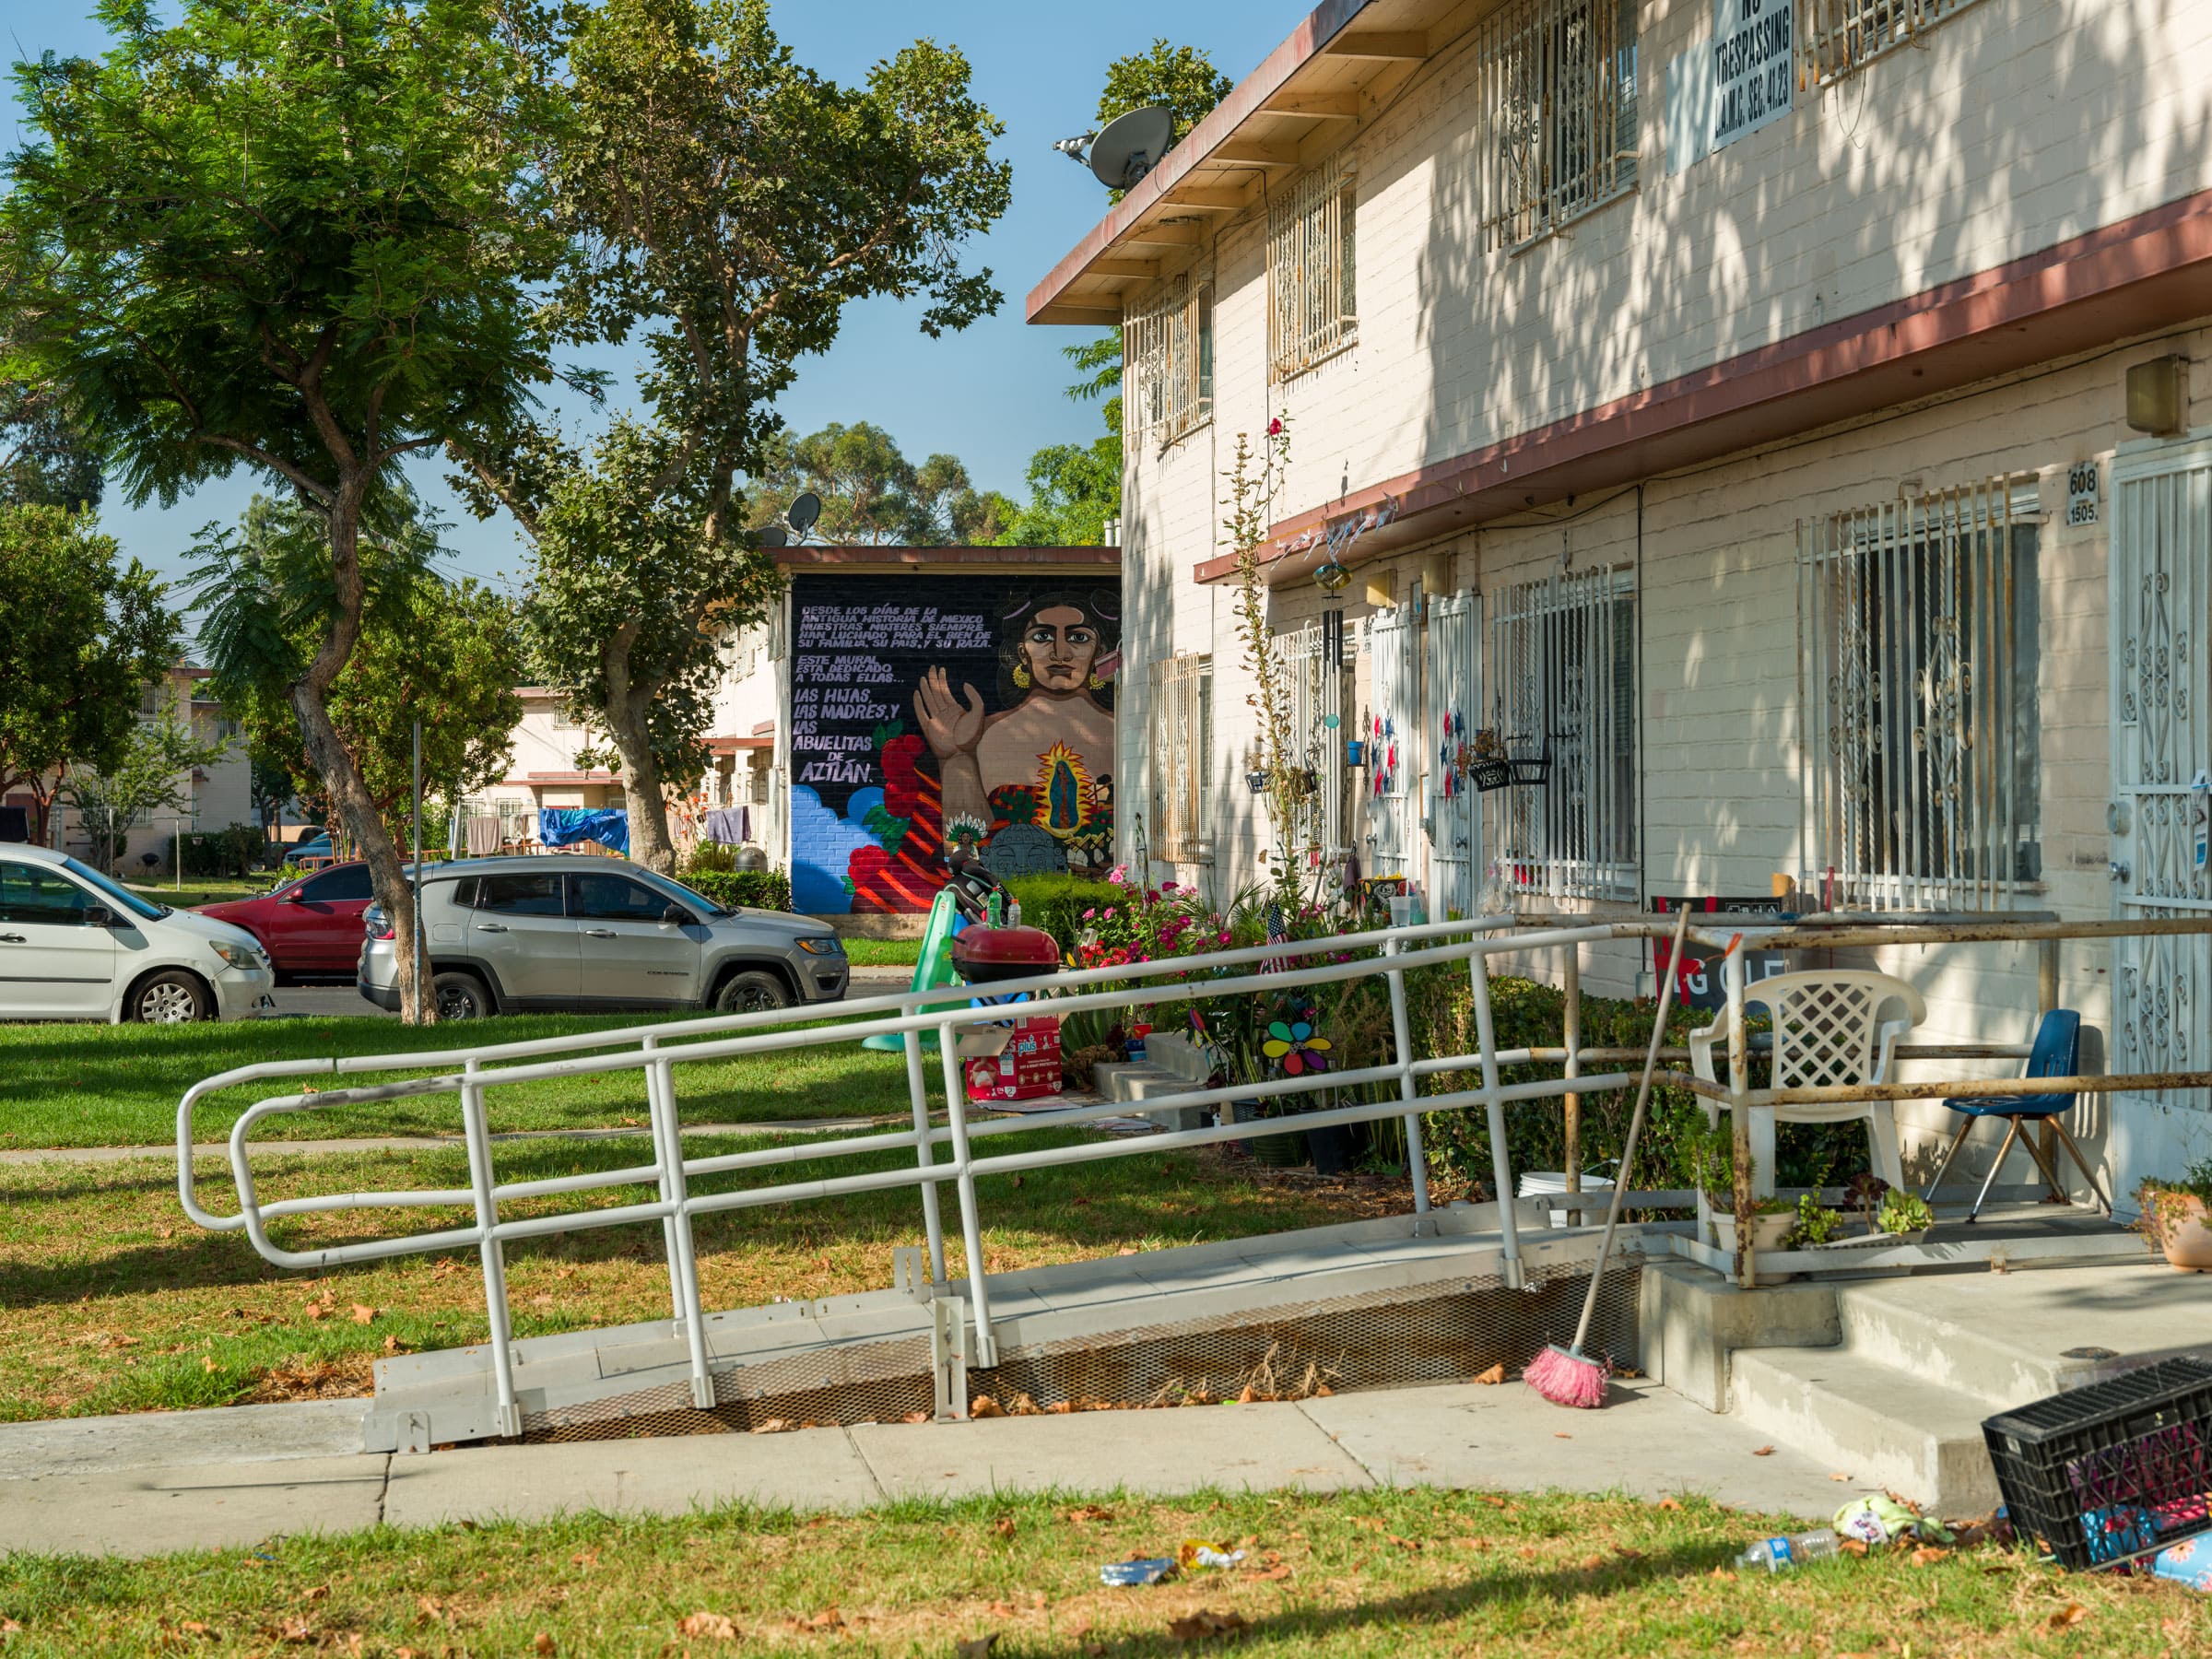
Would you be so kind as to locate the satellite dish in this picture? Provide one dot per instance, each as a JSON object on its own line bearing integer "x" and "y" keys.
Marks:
{"x": 772, "y": 536}
{"x": 1130, "y": 146}
{"x": 803, "y": 513}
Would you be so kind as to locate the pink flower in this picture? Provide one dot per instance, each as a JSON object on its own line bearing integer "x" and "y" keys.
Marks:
{"x": 1167, "y": 887}
{"x": 1092, "y": 912}
{"x": 1119, "y": 873}
{"x": 1109, "y": 912}
{"x": 1274, "y": 427}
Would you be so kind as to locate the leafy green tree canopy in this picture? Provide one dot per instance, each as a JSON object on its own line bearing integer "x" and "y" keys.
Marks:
{"x": 1182, "y": 78}
{"x": 728, "y": 204}
{"x": 446, "y": 653}
{"x": 304, "y": 238}
{"x": 872, "y": 495}
{"x": 81, "y": 636}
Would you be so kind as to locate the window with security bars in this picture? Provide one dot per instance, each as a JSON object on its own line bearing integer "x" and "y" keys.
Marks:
{"x": 1183, "y": 748}
{"x": 1313, "y": 269}
{"x": 1562, "y": 669}
{"x": 1557, "y": 83}
{"x": 1840, "y": 35}
{"x": 1167, "y": 355}
{"x": 1921, "y": 652}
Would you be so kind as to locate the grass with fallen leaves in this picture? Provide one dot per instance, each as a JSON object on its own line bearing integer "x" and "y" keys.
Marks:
{"x": 116, "y": 1302}
{"x": 1408, "y": 1573}
{"x": 119, "y": 1086}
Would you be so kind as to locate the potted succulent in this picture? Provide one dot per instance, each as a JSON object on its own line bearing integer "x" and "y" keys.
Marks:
{"x": 1904, "y": 1217}
{"x": 1712, "y": 1160}
{"x": 2172, "y": 1216}
{"x": 1814, "y": 1225}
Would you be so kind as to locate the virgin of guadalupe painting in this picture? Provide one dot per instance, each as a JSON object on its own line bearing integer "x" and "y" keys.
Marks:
{"x": 1045, "y": 758}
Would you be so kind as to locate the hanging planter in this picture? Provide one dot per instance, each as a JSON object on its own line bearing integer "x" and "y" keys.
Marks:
{"x": 1487, "y": 766}
{"x": 1530, "y": 761}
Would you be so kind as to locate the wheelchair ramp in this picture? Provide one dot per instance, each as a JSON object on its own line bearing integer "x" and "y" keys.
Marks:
{"x": 1366, "y": 1304}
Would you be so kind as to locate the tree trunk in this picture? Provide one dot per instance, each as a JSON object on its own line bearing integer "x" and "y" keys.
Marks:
{"x": 650, "y": 843}
{"x": 349, "y": 795}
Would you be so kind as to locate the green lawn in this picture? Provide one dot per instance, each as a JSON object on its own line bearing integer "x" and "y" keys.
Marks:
{"x": 1400, "y": 1574}
{"x": 882, "y": 953}
{"x": 113, "y": 1085}
{"x": 203, "y": 890}
{"x": 116, "y": 1302}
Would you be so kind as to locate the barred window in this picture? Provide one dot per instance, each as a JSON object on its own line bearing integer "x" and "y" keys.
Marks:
{"x": 1183, "y": 750}
{"x": 1169, "y": 350}
{"x": 1563, "y": 679}
{"x": 1313, "y": 269}
{"x": 1558, "y": 91}
{"x": 1921, "y": 650}
{"x": 1841, "y": 35}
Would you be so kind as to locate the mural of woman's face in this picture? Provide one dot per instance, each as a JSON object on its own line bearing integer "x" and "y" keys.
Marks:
{"x": 1060, "y": 646}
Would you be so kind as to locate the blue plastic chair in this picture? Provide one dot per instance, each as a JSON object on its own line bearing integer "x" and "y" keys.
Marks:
{"x": 2056, "y": 1053}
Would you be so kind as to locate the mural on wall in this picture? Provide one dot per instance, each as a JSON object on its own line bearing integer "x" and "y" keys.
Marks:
{"x": 928, "y": 712}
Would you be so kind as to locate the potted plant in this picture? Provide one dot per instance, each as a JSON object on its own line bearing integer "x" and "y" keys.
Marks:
{"x": 1712, "y": 1160}
{"x": 1905, "y": 1217}
{"x": 1865, "y": 1194}
{"x": 1814, "y": 1225}
{"x": 2172, "y": 1216}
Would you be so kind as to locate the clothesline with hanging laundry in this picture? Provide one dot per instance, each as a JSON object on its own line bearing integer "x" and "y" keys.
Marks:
{"x": 566, "y": 826}
{"x": 731, "y": 825}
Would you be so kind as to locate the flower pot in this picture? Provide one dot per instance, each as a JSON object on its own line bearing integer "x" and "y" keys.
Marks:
{"x": 1331, "y": 1147}
{"x": 1286, "y": 1150}
{"x": 2183, "y": 1234}
{"x": 1767, "y": 1231}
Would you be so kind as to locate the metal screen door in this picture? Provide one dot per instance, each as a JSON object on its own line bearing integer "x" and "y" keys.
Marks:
{"x": 2161, "y": 712}
{"x": 1454, "y": 713}
{"x": 1315, "y": 684}
{"x": 1386, "y": 789}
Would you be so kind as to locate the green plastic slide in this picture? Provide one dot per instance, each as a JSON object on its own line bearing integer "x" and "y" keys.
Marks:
{"x": 932, "y": 968}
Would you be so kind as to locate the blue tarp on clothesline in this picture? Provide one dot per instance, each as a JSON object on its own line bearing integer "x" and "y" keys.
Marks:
{"x": 565, "y": 826}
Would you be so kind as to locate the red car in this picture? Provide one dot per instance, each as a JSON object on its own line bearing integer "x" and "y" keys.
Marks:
{"x": 309, "y": 927}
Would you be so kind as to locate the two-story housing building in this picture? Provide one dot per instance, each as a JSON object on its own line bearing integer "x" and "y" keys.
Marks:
{"x": 1783, "y": 423}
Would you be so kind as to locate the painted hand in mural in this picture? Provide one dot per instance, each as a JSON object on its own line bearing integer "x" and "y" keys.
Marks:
{"x": 952, "y": 728}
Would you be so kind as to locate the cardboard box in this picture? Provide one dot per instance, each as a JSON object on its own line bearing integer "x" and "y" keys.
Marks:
{"x": 1026, "y": 1069}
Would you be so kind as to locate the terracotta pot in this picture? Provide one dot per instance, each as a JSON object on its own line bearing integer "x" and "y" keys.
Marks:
{"x": 2182, "y": 1233}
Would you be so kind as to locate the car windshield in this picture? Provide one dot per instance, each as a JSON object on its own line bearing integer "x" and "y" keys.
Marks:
{"x": 130, "y": 901}
{"x": 680, "y": 894}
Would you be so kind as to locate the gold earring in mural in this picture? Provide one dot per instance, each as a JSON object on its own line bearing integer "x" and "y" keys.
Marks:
{"x": 1022, "y": 676}
{"x": 1097, "y": 684}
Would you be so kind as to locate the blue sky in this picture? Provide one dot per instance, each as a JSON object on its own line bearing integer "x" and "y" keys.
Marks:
{"x": 991, "y": 396}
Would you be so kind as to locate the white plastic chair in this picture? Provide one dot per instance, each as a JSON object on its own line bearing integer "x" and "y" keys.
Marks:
{"x": 1830, "y": 1029}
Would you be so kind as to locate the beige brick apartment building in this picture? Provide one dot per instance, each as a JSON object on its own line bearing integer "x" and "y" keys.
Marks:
{"x": 1783, "y": 408}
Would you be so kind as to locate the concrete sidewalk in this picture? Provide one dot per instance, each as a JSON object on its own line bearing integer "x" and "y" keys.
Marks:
{"x": 230, "y": 1479}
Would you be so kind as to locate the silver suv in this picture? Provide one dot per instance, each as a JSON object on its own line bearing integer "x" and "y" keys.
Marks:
{"x": 576, "y": 934}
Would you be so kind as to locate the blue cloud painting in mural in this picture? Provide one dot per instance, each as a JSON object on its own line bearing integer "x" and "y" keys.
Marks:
{"x": 823, "y": 845}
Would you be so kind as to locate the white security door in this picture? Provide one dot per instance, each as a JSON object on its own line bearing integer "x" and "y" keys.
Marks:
{"x": 2161, "y": 711}
{"x": 1454, "y": 713}
{"x": 1391, "y": 729}
{"x": 1313, "y": 677}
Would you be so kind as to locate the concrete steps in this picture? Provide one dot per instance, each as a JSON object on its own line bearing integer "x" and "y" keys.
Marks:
{"x": 1899, "y": 1398}
{"x": 1883, "y": 1428}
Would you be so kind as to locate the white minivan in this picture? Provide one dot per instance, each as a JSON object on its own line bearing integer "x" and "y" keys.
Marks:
{"x": 74, "y": 945}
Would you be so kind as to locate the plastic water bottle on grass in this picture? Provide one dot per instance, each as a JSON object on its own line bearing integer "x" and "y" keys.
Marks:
{"x": 1774, "y": 1554}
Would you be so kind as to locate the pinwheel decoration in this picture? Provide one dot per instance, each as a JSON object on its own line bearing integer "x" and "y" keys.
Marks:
{"x": 1292, "y": 1044}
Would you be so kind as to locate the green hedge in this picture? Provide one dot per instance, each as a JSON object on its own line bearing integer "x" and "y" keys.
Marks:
{"x": 230, "y": 852}
{"x": 1530, "y": 1015}
{"x": 1056, "y": 903}
{"x": 759, "y": 890}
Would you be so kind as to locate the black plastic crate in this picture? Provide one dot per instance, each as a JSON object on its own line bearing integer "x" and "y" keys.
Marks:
{"x": 2114, "y": 1470}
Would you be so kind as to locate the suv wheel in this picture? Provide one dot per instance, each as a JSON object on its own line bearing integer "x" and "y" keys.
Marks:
{"x": 752, "y": 992}
{"x": 172, "y": 997}
{"x": 460, "y": 996}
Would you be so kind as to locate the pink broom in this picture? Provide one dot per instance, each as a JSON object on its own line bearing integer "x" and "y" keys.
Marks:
{"x": 1563, "y": 1375}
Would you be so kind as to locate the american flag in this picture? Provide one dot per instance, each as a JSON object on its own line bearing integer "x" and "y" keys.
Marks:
{"x": 1279, "y": 933}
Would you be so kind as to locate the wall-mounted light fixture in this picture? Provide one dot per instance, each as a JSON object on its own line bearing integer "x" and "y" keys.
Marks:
{"x": 2157, "y": 395}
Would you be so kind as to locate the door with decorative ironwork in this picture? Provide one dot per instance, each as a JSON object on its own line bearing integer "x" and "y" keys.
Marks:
{"x": 1314, "y": 665}
{"x": 1454, "y": 715}
{"x": 2161, "y": 615}
{"x": 1389, "y": 732}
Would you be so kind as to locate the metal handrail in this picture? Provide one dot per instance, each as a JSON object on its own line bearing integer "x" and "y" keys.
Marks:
{"x": 1388, "y": 953}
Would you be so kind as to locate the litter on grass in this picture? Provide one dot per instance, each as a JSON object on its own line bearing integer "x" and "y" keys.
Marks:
{"x": 1144, "y": 1570}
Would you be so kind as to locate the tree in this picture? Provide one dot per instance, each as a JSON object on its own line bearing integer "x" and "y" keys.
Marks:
{"x": 44, "y": 461}
{"x": 148, "y": 775}
{"x": 1182, "y": 78}
{"x": 272, "y": 791}
{"x": 303, "y": 240}
{"x": 80, "y": 638}
{"x": 448, "y": 655}
{"x": 872, "y": 495}
{"x": 730, "y": 204}
{"x": 1073, "y": 489}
